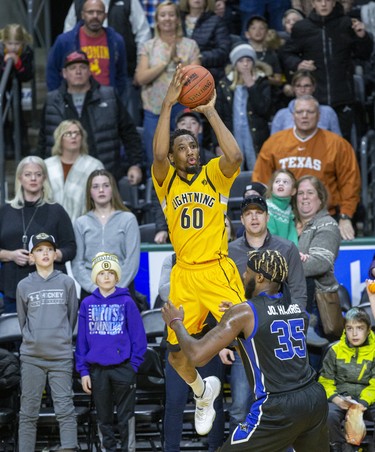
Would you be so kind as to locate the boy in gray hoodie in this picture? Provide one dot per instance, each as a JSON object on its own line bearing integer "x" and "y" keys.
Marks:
{"x": 47, "y": 309}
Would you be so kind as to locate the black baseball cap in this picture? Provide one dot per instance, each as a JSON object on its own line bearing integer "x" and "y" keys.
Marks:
{"x": 188, "y": 112}
{"x": 42, "y": 237}
{"x": 257, "y": 201}
{"x": 256, "y": 186}
{"x": 256, "y": 17}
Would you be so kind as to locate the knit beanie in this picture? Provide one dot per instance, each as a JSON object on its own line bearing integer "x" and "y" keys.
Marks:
{"x": 105, "y": 261}
{"x": 240, "y": 51}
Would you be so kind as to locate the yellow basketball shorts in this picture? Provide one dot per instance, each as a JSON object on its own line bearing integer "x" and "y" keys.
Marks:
{"x": 200, "y": 289}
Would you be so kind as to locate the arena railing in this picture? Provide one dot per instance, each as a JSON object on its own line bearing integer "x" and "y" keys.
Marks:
{"x": 9, "y": 105}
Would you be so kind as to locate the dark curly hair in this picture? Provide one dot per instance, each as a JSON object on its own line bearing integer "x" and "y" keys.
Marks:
{"x": 269, "y": 263}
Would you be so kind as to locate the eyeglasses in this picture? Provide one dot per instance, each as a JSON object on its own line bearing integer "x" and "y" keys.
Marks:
{"x": 303, "y": 86}
{"x": 72, "y": 134}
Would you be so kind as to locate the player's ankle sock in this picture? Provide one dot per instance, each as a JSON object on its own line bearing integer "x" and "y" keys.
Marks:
{"x": 198, "y": 386}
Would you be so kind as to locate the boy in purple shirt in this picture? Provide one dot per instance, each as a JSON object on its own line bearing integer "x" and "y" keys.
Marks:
{"x": 111, "y": 342}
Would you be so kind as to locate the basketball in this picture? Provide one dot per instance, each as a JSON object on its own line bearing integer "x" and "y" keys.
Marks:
{"x": 371, "y": 287}
{"x": 198, "y": 87}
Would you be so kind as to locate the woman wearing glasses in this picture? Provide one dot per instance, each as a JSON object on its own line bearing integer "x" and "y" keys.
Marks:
{"x": 70, "y": 166}
{"x": 303, "y": 83}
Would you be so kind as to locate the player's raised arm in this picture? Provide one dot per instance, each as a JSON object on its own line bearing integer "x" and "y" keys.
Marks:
{"x": 232, "y": 158}
{"x": 162, "y": 133}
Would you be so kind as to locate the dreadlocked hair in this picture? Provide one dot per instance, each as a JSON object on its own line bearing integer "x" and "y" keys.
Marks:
{"x": 270, "y": 263}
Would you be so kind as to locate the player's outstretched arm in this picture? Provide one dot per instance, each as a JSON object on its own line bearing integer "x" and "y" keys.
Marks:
{"x": 199, "y": 352}
{"x": 232, "y": 158}
{"x": 162, "y": 133}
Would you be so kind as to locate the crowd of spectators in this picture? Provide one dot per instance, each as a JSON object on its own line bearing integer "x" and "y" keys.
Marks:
{"x": 107, "y": 74}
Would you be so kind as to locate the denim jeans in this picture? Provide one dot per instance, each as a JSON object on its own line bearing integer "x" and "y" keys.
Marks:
{"x": 242, "y": 395}
{"x": 177, "y": 392}
{"x": 131, "y": 98}
{"x": 274, "y": 8}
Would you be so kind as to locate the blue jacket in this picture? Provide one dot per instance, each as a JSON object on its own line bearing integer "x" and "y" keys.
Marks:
{"x": 68, "y": 42}
{"x": 110, "y": 331}
{"x": 328, "y": 119}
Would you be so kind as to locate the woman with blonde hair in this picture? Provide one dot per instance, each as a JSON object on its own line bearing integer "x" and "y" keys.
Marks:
{"x": 108, "y": 225}
{"x": 70, "y": 166}
{"x": 15, "y": 45}
{"x": 244, "y": 103}
{"x": 31, "y": 210}
{"x": 158, "y": 59}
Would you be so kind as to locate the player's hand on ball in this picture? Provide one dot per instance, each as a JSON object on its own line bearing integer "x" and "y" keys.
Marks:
{"x": 171, "y": 314}
{"x": 175, "y": 86}
{"x": 210, "y": 104}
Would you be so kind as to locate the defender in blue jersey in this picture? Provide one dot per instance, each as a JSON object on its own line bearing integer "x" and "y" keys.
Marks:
{"x": 290, "y": 407}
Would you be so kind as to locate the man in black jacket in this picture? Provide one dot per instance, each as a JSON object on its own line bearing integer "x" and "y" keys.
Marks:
{"x": 326, "y": 43}
{"x": 102, "y": 114}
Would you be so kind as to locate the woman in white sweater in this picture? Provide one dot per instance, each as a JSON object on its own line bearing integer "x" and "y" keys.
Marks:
{"x": 70, "y": 166}
{"x": 107, "y": 226}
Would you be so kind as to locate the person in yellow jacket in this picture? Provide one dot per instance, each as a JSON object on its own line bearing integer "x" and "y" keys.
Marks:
{"x": 348, "y": 375}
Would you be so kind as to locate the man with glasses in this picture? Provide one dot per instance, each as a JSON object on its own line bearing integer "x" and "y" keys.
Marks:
{"x": 303, "y": 82}
{"x": 326, "y": 43}
{"x": 104, "y": 47}
{"x": 308, "y": 150}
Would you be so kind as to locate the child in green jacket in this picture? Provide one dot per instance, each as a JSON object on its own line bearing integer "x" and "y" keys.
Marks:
{"x": 348, "y": 373}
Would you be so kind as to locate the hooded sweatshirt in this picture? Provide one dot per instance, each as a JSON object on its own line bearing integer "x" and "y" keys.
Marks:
{"x": 47, "y": 313}
{"x": 110, "y": 331}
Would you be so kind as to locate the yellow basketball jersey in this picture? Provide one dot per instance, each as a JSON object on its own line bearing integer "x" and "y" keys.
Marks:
{"x": 194, "y": 209}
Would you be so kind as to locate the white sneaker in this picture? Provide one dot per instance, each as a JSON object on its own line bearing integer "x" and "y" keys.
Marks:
{"x": 204, "y": 409}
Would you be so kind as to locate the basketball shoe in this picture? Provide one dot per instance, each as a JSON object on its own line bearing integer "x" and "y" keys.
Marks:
{"x": 204, "y": 408}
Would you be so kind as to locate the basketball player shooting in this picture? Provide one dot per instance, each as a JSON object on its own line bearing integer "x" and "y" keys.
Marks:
{"x": 290, "y": 406}
{"x": 194, "y": 200}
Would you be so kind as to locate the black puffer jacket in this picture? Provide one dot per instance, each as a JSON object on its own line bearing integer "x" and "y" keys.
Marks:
{"x": 258, "y": 108}
{"x": 213, "y": 39}
{"x": 106, "y": 121}
{"x": 331, "y": 42}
